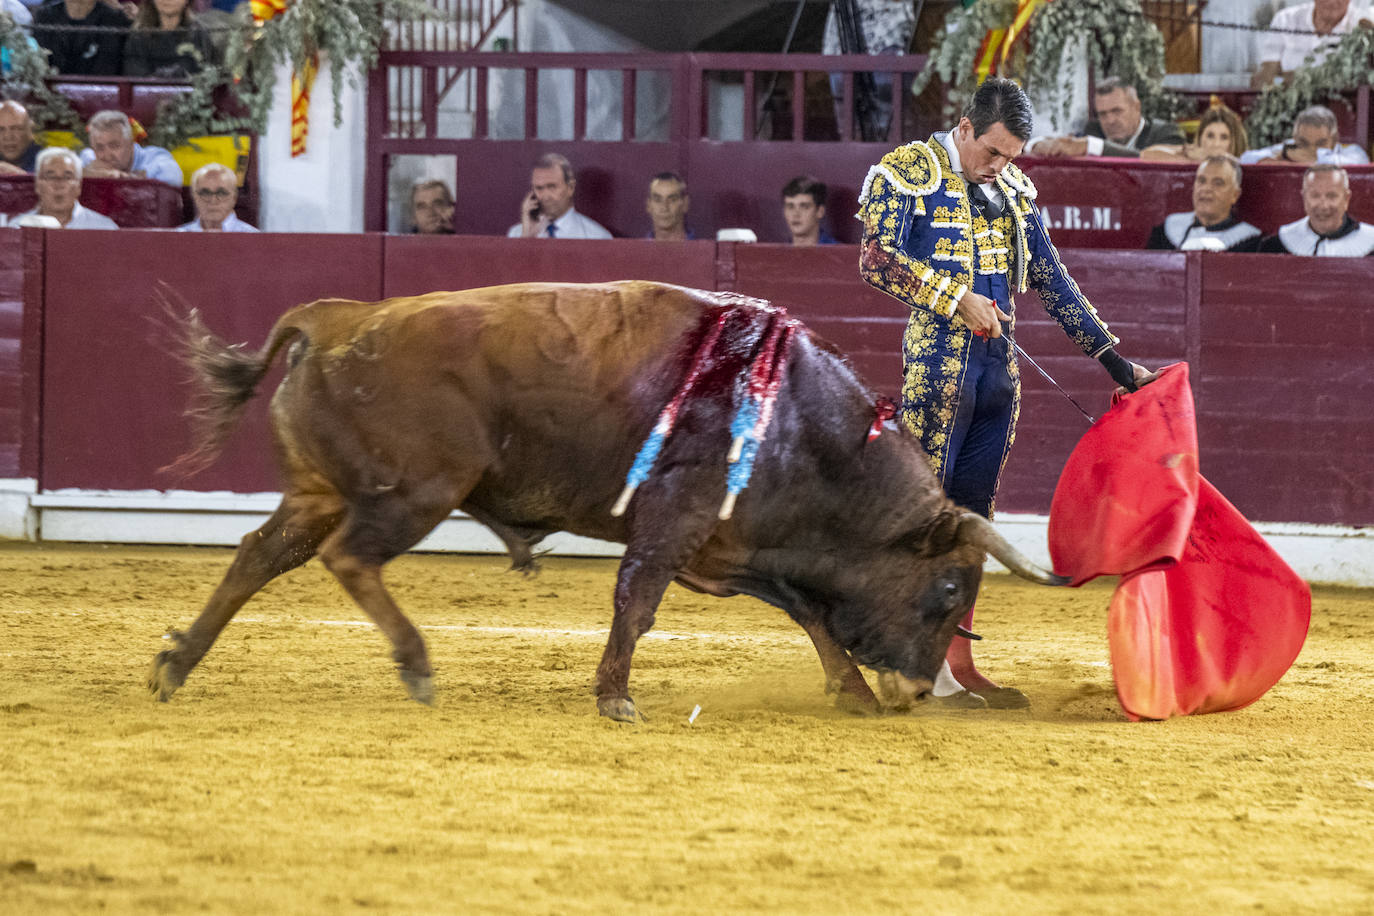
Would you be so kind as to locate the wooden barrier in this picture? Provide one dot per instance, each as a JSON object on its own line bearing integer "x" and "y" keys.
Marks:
{"x": 1280, "y": 359}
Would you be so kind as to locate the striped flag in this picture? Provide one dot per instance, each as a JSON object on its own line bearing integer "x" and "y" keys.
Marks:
{"x": 301, "y": 82}
{"x": 997, "y": 45}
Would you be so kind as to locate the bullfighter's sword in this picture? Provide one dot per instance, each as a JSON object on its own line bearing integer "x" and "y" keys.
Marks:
{"x": 1026, "y": 356}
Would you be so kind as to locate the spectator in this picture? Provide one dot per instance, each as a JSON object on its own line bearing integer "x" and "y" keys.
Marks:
{"x": 57, "y": 182}
{"x": 803, "y": 207}
{"x": 18, "y": 151}
{"x": 667, "y": 207}
{"x": 1308, "y": 28}
{"x": 1315, "y": 139}
{"x": 113, "y": 153}
{"x": 1219, "y": 133}
{"x": 1328, "y": 230}
{"x": 1210, "y": 225}
{"x": 547, "y": 210}
{"x": 82, "y": 37}
{"x": 166, "y": 41}
{"x": 431, "y": 207}
{"x": 1119, "y": 130}
{"x": 215, "y": 190}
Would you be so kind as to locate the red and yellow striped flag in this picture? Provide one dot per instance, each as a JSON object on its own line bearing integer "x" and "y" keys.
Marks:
{"x": 997, "y": 45}
{"x": 300, "y": 104}
{"x": 301, "y": 82}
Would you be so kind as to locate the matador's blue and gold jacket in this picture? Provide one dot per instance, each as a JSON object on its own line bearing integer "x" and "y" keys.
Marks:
{"x": 925, "y": 246}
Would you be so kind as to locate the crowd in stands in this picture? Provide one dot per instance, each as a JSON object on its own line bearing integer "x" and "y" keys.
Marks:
{"x": 165, "y": 38}
{"x": 58, "y": 171}
{"x": 162, "y": 38}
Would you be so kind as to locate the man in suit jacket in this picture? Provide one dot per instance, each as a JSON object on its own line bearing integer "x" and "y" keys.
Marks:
{"x": 1119, "y": 130}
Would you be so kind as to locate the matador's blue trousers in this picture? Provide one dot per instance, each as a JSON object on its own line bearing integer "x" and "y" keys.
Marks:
{"x": 981, "y": 428}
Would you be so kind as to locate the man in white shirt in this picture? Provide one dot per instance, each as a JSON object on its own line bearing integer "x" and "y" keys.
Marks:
{"x": 547, "y": 210}
{"x": 1327, "y": 231}
{"x": 1308, "y": 28}
{"x": 1316, "y": 138}
{"x": 57, "y": 182}
{"x": 215, "y": 191}
{"x": 114, "y": 154}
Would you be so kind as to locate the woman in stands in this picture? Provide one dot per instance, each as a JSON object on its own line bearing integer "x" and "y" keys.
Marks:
{"x": 166, "y": 41}
{"x": 1219, "y": 133}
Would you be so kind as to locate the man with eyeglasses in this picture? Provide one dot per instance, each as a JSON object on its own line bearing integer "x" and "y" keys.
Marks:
{"x": 57, "y": 182}
{"x": 214, "y": 189}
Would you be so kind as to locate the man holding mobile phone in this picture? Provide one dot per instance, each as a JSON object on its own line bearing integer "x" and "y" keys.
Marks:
{"x": 547, "y": 210}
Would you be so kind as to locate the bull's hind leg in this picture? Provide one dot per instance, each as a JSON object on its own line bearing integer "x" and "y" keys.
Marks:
{"x": 285, "y": 541}
{"x": 375, "y": 531}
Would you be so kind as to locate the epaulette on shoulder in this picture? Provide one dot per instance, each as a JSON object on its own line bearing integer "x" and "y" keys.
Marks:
{"x": 911, "y": 169}
{"x": 1018, "y": 181}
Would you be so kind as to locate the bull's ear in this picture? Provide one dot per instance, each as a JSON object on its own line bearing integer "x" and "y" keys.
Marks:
{"x": 977, "y": 531}
{"x": 939, "y": 536}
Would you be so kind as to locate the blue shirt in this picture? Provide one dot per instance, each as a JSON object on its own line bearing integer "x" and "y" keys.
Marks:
{"x": 153, "y": 161}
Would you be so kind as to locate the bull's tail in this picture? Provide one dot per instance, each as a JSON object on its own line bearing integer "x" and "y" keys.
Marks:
{"x": 223, "y": 378}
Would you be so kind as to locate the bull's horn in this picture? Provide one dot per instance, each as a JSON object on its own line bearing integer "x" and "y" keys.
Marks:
{"x": 979, "y": 532}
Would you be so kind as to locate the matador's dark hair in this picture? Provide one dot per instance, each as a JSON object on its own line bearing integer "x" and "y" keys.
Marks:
{"x": 1000, "y": 101}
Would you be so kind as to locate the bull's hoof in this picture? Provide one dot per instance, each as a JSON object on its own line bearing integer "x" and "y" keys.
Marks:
{"x": 419, "y": 686}
{"x": 1005, "y": 698}
{"x": 165, "y": 675}
{"x": 849, "y": 700}
{"x": 621, "y": 709}
{"x": 963, "y": 699}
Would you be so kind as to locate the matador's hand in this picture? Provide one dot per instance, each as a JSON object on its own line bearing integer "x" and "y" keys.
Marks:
{"x": 981, "y": 314}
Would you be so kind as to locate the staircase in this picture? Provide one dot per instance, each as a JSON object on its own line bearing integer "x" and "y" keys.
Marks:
{"x": 457, "y": 25}
{"x": 460, "y": 25}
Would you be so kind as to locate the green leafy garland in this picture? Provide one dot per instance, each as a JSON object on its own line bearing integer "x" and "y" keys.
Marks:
{"x": 1119, "y": 41}
{"x": 1349, "y": 66}
{"x": 349, "y": 33}
{"x": 26, "y": 79}
{"x": 955, "y": 54}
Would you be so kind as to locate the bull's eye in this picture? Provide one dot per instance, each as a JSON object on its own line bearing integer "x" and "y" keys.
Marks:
{"x": 951, "y": 588}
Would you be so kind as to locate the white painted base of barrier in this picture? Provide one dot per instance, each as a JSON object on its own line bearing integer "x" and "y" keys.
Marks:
{"x": 18, "y": 519}
{"x": 188, "y": 517}
{"x": 1321, "y": 554}
{"x": 1324, "y": 554}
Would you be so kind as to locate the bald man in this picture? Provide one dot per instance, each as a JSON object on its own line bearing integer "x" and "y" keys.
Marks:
{"x": 18, "y": 151}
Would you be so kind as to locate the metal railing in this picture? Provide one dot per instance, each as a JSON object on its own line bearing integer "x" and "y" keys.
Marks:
{"x": 789, "y": 91}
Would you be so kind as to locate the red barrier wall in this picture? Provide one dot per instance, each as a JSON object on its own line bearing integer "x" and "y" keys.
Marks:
{"x": 1283, "y": 368}
{"x": 112, "y": 400}
{"x": 12, "y": 400}
{"x": 1286, "y": 392}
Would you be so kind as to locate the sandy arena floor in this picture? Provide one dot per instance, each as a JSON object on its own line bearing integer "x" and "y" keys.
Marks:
{"x": 290, "y": 774}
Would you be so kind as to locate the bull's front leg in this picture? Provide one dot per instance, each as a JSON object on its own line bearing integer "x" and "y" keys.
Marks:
{"x": 842, "y": 676}
{"x": 639, "y": 588}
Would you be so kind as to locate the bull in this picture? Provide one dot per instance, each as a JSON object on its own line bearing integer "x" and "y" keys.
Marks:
{"x": 523, "y": 406}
